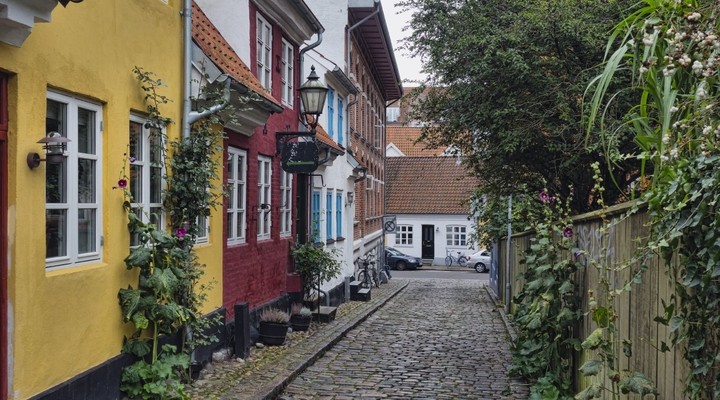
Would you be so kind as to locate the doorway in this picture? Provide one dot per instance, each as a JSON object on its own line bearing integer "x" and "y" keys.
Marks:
{"x": 428, "y": 242}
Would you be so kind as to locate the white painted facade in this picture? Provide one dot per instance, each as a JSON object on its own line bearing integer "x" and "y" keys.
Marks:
{"x": 232, "y": 19}
{"x": 336, "y": 177}
{"x": 440, "y": 224}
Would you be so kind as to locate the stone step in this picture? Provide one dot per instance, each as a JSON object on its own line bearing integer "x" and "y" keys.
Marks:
{"x": 361, "y": 295}
{"x": 354, "y": 287}
{"x": 325, "y": 315}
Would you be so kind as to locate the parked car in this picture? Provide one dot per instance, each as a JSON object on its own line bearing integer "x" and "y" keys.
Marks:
{"x": 480, "y": 260}
{"x": 398, "y": 260}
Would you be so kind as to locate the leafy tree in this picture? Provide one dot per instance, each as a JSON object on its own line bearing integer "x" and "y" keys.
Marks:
{"x": 505, "y": 87}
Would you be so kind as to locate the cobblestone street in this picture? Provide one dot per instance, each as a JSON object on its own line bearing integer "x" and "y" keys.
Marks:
{"x": 438, "y": 339}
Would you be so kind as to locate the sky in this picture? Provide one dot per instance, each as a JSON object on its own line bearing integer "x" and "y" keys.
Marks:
{"x": 409, "y": 67}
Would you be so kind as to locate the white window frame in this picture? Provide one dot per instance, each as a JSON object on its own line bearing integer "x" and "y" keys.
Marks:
{"x": 236, "y": 214}
{"x": 286, "y": 197}
{"x": 456, "y": 235}
{"x": 143, "y": 204}
{"x": 263, "y": 54}
{"x": 288, "y": 68}
{"x": 203, "y": 227}
{"x": 404, "y": 235}
{"x": 264, "y": 214}
{"x": 71, "y": 205}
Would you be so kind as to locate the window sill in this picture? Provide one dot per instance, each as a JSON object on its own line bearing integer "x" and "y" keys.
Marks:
{"x": 339, "y": 239}
{"x": 329, "y": 241}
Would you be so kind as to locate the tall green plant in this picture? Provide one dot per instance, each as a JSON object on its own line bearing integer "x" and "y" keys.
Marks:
{"x": 604, "y": 345}
{"x": 168, "y": 296}
{"x": 547, "y": 307}
{"x": 672, "y": 48}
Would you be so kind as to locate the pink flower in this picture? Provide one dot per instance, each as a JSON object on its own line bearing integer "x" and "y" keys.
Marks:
{"x": 122, "y": 183}
{"x": 568, "y": 232}
{"x": 545, "y": 197}
{"x": 180, "y": 232}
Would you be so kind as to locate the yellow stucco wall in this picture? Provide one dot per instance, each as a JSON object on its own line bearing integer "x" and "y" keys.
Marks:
{"x": 63, "y": 322}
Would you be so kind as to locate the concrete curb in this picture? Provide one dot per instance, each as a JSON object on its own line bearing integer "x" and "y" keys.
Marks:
{"x": 273, "y": 389}
{"x": 501, "y": 310}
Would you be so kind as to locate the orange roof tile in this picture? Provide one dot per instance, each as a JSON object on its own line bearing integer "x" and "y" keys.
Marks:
{"x": 404, "y": 138}
{"x": 325, "y": 139}
{"x": 214, "y": 45}
{"x": 427, "y": 185}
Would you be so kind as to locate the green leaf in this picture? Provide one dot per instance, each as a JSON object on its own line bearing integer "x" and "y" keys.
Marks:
{"x": 139, "y": 257}
{"x": 637, "y": 383}
{"x": 591, "y": 392}
{"x": 594, "y": 340}
{"x": 129, "y": 301}
{"x": 601, "y": 316}
{"x": 591, "y": 367}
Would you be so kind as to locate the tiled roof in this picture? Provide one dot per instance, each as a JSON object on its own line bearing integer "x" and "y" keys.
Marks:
{"x": 427, "y": 185}
{"x": 404, "y": 137}
{"x": 215, "y": 47}
{"x": 326, "y": 140}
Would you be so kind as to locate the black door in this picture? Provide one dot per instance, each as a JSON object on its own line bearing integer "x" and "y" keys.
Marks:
{"x": 428, "y": 242}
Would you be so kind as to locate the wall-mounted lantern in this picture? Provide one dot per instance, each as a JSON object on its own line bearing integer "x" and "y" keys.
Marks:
{"x": 312, "y": 98}
{"x": 350, "y": 198}
{"x": 55, "y": 145}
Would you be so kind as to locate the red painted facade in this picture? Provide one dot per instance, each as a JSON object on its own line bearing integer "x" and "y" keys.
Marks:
{"x": 259, "y": 271}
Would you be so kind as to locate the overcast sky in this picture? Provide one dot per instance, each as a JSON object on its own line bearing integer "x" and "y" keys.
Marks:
{"x": 409, "y": 67}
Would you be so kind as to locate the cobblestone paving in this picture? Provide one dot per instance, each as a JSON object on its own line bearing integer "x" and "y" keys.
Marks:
{"x": 438, "y": 339}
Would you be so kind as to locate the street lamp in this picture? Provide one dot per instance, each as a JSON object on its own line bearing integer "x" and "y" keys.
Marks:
{"x": 312, "y": 97}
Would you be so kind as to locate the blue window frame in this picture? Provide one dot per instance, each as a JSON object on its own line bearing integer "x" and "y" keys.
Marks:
{"x": 315, "y": 216}
{"x": 328, "y": 215}
{"x": 331, "y": 112}
{"x": 338, "y": 214}
{"x": 340, "y": 121}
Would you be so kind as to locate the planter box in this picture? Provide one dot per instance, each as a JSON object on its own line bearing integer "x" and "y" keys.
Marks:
{"x": 272, "y": 334}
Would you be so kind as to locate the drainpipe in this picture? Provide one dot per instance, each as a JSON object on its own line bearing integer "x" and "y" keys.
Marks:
{"x": 190, "y": 116}
{"x": 507, "y": 257}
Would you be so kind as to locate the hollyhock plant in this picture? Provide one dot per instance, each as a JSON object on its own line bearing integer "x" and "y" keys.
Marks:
{"x": 122, "y": 183}
{"x": 568, "y": 232}
{"x": 181, "y": 232}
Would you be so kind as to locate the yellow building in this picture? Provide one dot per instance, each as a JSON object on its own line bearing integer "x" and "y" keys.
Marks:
{"x": 64, "y": 231}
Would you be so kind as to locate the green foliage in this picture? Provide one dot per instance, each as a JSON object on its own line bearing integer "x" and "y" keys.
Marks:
{"x": 315, "y": 265}
{"x": 547, "y": 307}
{"x": 157, "y": 380}
{"x": 167, "y": 298}
{"x": 604, "y": 345}
{"x": 505, "y": 88}
{"x": 492, "y": 215}
{"x": 672, "y": 49}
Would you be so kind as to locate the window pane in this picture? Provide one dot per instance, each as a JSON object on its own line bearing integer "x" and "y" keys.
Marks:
{"x": 156, "y": 216}
{"x": 135, "y": 238}
{"x": 56, "y": 233}
{"x": 239, "y": 232}
{"x": 136, "y": 179}
{"x": 56, "y": 182}
{"x": 55, "y": 121}
{"x": 136, "y": 150}
{"x": 230, "y": 169}
{"x": 86, "y": 231}
{"x": 86, "y": 181}
{"x": 155, "y": 147}
{"x": 155, "y": 185}
{"x": 86, "y": 131}
{"x": 240, "y": 196}
{"x": 229, "y": 224}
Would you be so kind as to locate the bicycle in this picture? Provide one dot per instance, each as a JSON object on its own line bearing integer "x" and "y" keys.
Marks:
{"x": 460, "y": 259}
{"x": 367, "y": 276}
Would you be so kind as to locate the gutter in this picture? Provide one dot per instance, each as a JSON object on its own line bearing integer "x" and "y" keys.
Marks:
{"x": 347, "y": 57}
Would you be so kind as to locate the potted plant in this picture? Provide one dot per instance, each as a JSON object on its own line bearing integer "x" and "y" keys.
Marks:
{"x": 315, "y": 265}
{"x": 300, "y": 317}
{"x": 273, "y": 326}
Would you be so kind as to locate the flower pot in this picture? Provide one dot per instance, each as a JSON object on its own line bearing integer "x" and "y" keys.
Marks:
{"x": 272, "y": 333}
{"x": 300, "y": 322}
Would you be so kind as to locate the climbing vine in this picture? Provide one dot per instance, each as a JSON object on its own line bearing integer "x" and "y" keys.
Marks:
{"x": 168, "y": 297}
{"x": 548, "y": 306}
{"x": 673, "y": 49}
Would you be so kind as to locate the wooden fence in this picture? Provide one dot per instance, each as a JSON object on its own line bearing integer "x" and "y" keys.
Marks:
{"x": 637, "y": 309}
